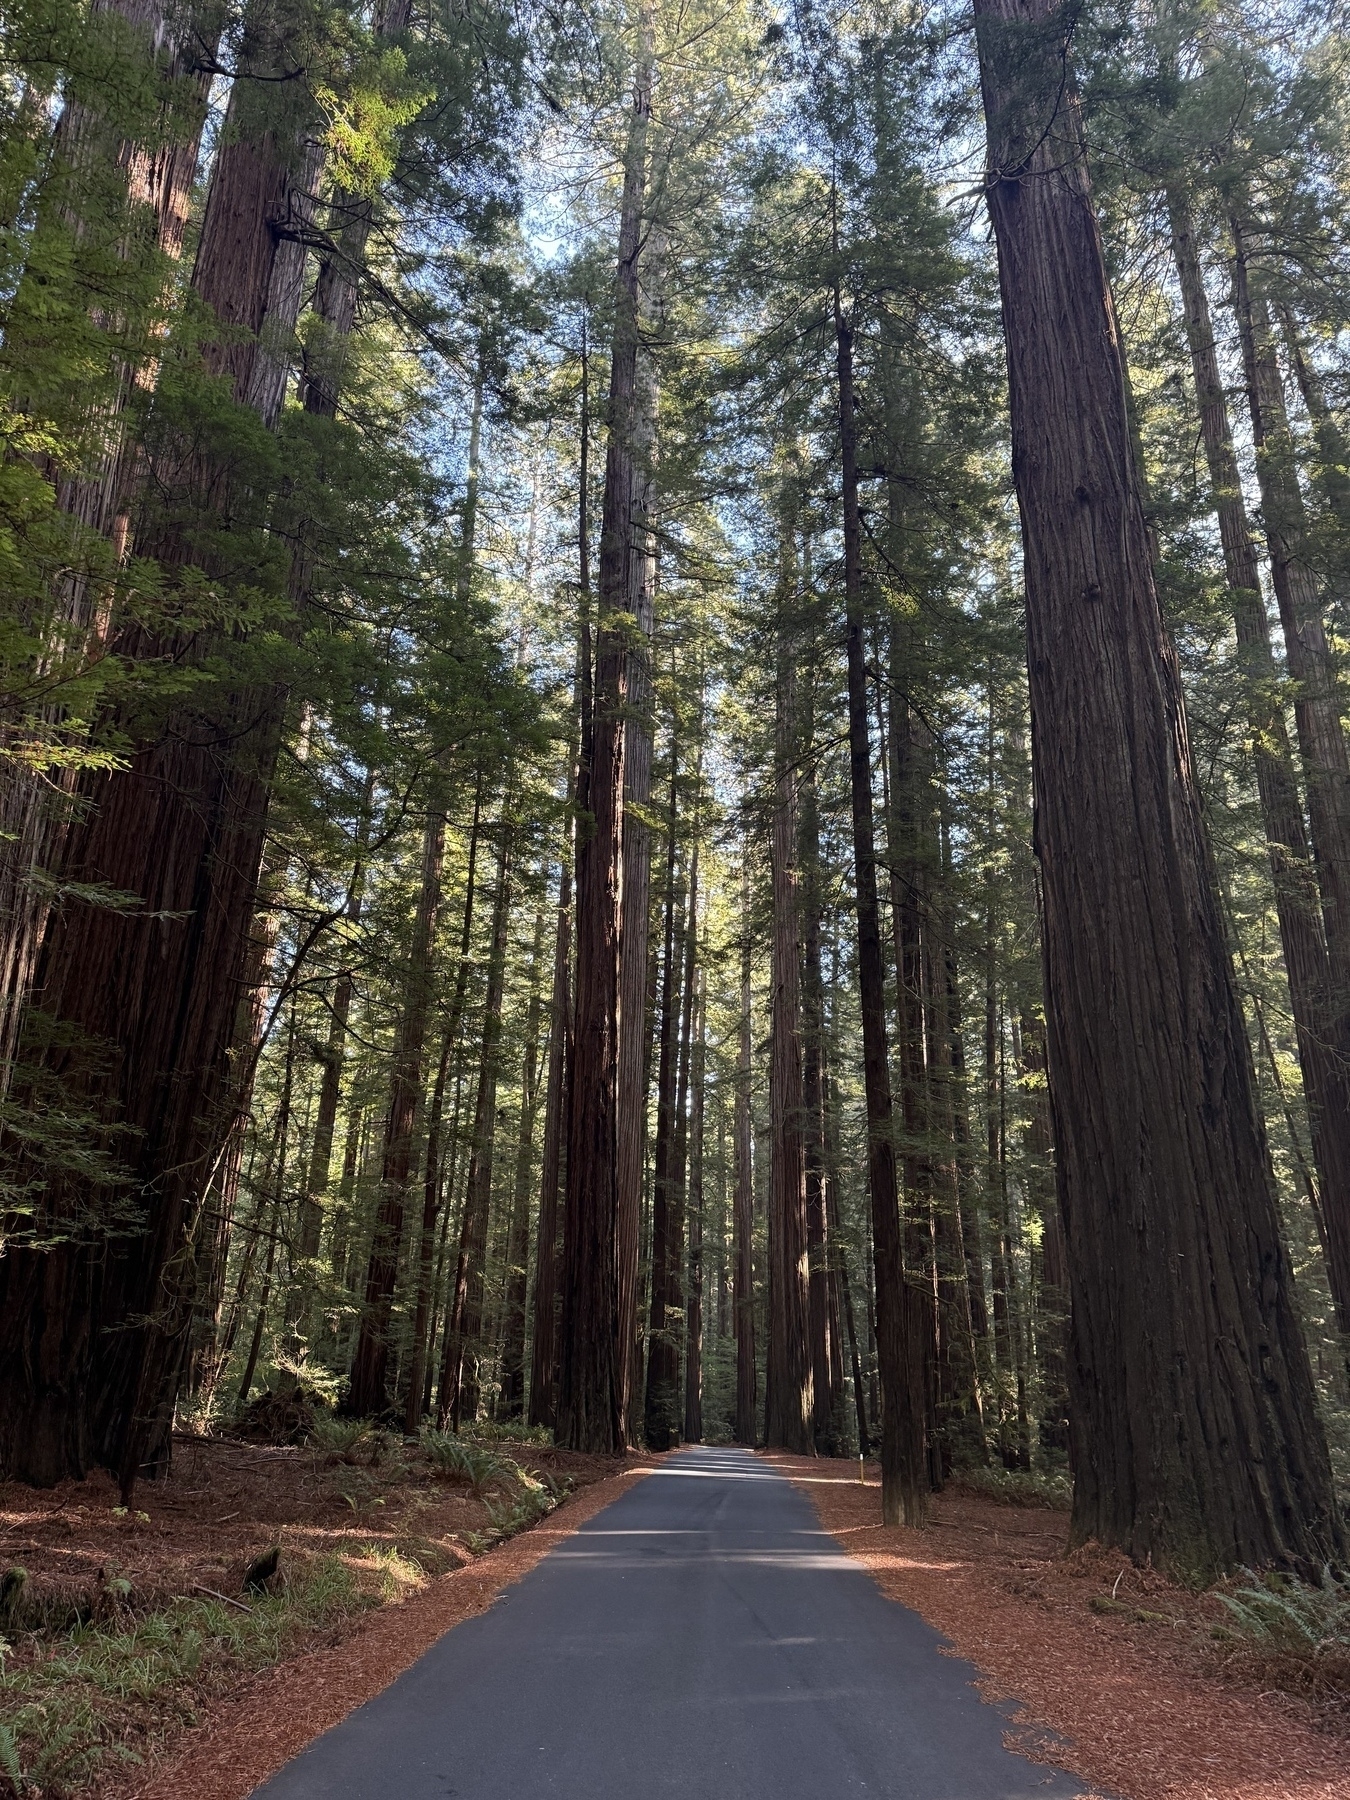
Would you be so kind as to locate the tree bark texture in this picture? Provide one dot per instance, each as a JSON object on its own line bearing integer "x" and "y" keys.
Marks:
{"x": 94, "y": 1336}
{"x": 1196, "y": 1436}
{"x": 159, "y": 177}
{"x": 593, "y": 1364}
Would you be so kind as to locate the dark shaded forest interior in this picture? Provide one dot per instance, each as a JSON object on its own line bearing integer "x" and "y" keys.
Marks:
{"x": 673, "y": 758}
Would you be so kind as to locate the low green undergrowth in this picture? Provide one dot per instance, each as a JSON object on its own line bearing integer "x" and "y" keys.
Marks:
{"x": 459, "y": 1460}
{"x": 1051, "y": 1488}
{"x": 1294, "y": 1635}
{"x": 76, "y": 1703}
{"x": 486, "y": 1432}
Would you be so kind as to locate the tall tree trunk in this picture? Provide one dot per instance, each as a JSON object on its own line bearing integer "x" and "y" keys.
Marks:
{"x": 159, "y": 174}
{"x": 693, "y": 1335}
{"x": 743, "y": 1280}
{"x": 900, "y": 1323}
{"x": 908, "y": 855}
{"x": 1325, "y": 1062}
{"x": 594, "y": 1359}
{"x": 677, "y": 1319}
{"x": 94, "y": 1336}
{"x": 460, "y": 1387}
{"x": 823, "y": 1251}
{"x": 424, "y": 1331}
{"x": 637, "y": 866}
{"x": 1175, "y": 1256}
{"x": 512, "y": 1403}
{"x": 544, "y": 1344}
{"x": 1318, "y": 702}
{"x": 661, "y": 1405}
{"x": 789, "y": 1403}
{"x": 368, "y": 1393}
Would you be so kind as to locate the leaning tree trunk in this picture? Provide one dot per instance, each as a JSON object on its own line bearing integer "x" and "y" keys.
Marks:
{"x": 1196, "y": 1433}
{"x": 902, "y": 1347}
{"x": 594, "y": 1357}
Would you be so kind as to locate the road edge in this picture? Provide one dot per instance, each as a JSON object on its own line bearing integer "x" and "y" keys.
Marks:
{"x": 246, "y": 1737}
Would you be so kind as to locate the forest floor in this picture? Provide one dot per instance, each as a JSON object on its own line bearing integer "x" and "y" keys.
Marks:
{"x": 1153, "y": 1695}
{"x": 136, "y": 1639}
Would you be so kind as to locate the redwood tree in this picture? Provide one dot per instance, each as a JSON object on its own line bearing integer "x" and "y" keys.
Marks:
{"x": 1196, "y": 1435}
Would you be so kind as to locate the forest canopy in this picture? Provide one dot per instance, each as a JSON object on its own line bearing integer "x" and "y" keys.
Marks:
{"x": 673, "y": 753}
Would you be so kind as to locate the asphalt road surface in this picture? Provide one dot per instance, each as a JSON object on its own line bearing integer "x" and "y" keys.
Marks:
{"x": 700, "y": 1637}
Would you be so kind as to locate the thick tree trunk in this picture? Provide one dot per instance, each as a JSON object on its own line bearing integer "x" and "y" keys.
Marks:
{"x": 1197, "y": 1441}
{"x": 594, "y": 1360}
{"x": 34, "y": 810}
{"x": 95, "y": 1332}
{"x": 902, "y": 1346}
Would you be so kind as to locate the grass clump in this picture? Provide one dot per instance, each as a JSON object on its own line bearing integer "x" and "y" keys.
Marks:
{"x": 73, "y": 1703}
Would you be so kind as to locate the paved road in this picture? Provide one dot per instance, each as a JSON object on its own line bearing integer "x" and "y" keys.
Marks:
{"x": 700, "y": 1637}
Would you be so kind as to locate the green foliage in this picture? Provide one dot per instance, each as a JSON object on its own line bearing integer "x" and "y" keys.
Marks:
{"x": 67, "y": 1711}
{"x": 1050, "y": 1488}
{"x": 1289, "y": 1633}
{"x": 338, "y": 1440}
{"x": 459, "y": 1461}
{"x": 1293, "y": 1616}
